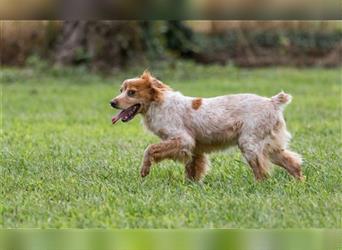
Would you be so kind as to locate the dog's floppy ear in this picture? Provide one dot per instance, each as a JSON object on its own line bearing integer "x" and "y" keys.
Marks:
{"x": 157, "y": 86}
{"x": 158, "y": 89}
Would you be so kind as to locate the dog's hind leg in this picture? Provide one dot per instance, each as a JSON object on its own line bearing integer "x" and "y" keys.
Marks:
{"x": 255, "y": 157}
{"x": 197, "y": 168}
{"x": 258, "y": 163}
{"x": 289, "y": 160}
{"x": 276, "y": 149}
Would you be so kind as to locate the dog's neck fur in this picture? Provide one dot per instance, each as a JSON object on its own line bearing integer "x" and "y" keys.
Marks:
{"x": 162, "y": 117}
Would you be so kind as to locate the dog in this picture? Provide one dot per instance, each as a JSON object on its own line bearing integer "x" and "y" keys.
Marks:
{"x": 192, "y": 127}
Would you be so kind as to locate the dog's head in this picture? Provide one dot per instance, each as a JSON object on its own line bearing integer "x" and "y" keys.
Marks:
{"x": 136, "y": 96}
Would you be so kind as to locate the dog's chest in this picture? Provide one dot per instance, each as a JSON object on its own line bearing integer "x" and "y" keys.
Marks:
{"x": 154, "y": 123}
{"x": 164, "y": 121}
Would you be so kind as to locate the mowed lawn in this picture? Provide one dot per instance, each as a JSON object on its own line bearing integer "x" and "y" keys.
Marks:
{"x": 64, "y": 165}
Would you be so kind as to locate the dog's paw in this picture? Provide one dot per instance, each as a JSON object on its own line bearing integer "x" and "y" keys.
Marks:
{"x": 302, "y": 178}
{"x": 144, "y": 171}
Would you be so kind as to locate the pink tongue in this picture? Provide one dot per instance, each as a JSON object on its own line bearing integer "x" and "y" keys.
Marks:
{"x": 117, "y": 117}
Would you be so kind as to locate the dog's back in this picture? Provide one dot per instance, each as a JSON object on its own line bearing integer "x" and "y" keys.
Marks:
{"x": 224, "y": 118}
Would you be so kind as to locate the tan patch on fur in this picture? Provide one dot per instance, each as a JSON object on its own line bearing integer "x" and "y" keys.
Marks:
{"x": 196, "y": 103}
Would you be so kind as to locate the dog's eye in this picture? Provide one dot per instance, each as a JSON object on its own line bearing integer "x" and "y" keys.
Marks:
{"x": 130, "y": 92}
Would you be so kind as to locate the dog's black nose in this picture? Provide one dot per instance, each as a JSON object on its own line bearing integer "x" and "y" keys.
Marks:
{"x": 113, "y": 104}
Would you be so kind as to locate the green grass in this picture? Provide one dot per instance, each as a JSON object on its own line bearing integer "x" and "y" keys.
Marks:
{"x": 64, "y": 165}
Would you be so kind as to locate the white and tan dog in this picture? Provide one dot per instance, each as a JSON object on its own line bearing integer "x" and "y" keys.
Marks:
{"x": 191, "y": 127}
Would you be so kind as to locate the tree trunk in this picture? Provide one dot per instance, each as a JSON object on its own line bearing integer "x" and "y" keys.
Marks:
{"x": 72, "y": 39}
{"x": 100, "y": 44}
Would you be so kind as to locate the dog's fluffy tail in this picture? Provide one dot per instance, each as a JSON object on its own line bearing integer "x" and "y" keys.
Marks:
{"x": 281, "y": 99}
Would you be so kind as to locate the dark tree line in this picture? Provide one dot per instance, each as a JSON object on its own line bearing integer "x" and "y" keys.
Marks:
{"x": 104, "y": 45}
{"x": 107, "y": 44}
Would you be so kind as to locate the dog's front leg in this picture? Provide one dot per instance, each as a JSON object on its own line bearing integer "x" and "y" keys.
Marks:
{"x": 175, "y": 149}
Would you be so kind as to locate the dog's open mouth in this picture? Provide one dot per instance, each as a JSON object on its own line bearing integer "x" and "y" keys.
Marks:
{"x": 126, "y": 114}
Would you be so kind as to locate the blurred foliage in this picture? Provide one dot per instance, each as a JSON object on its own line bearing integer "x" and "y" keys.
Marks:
{"x": 180, "y": 38}
{"x": 271, "y": 39}
{"x": 274, "y": 47}
{"x": 106, "y": 45}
